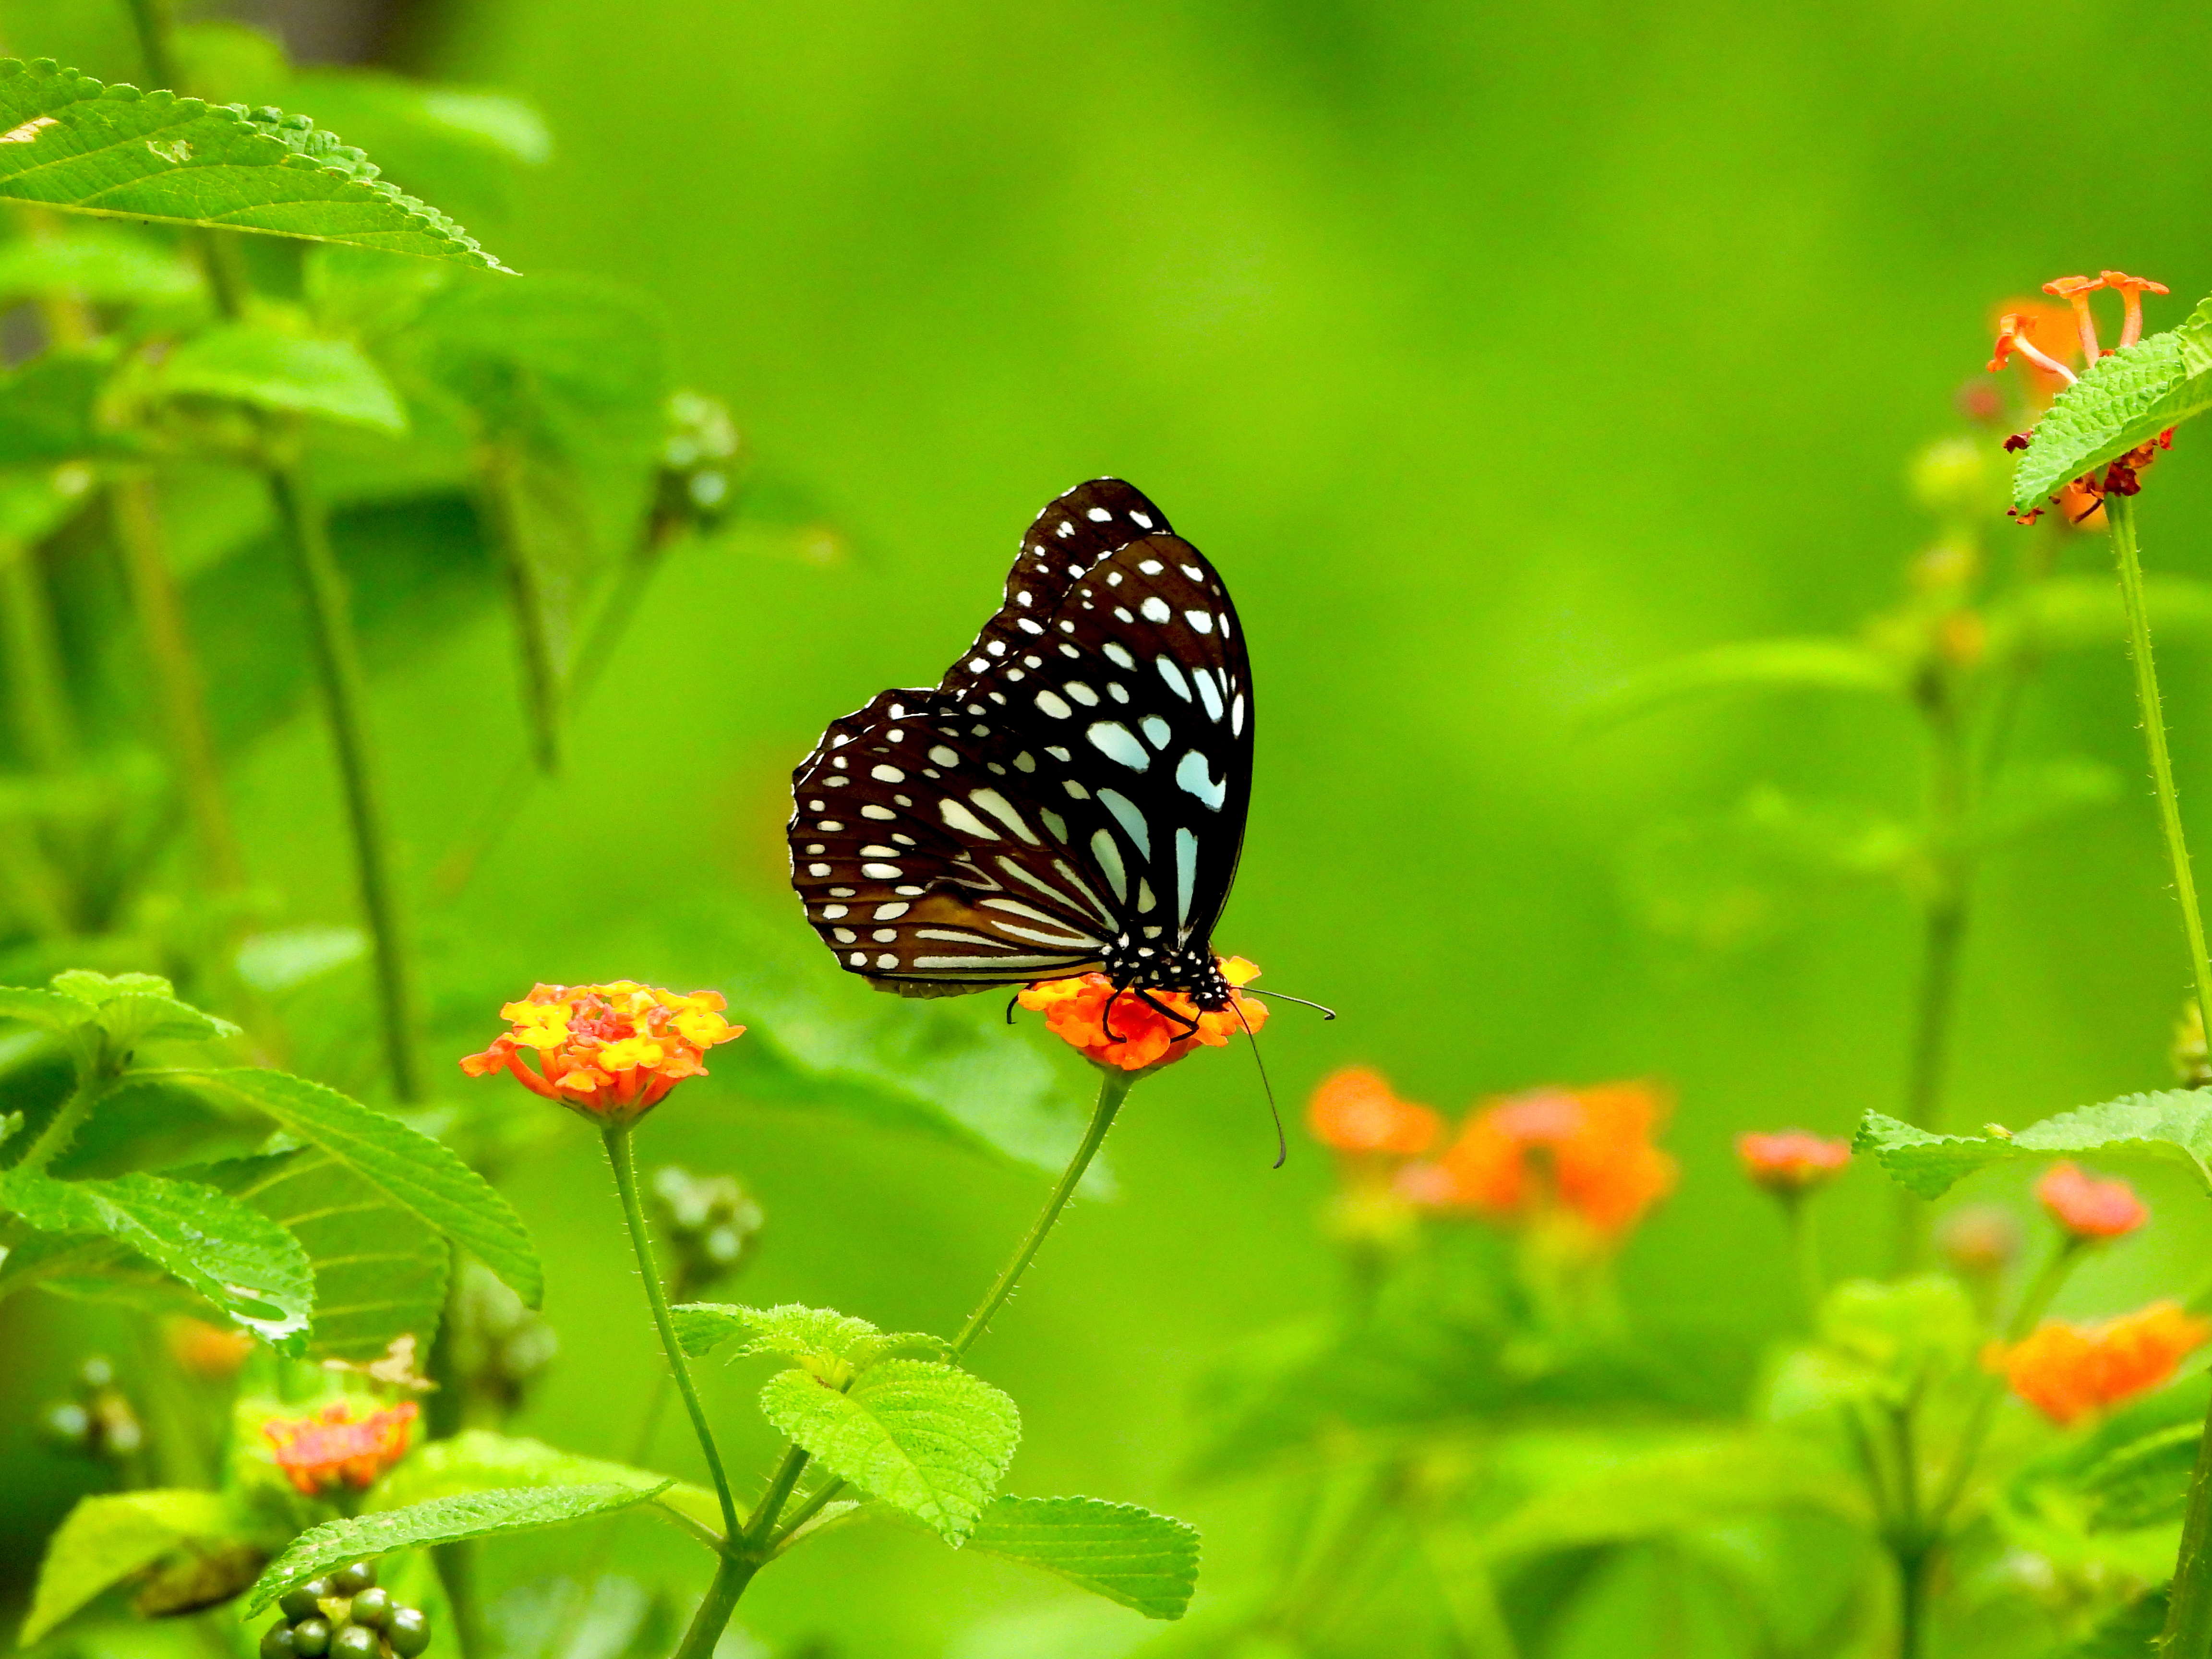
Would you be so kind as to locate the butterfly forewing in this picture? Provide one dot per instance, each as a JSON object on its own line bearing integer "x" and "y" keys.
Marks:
{"x": 1072, "y": 797}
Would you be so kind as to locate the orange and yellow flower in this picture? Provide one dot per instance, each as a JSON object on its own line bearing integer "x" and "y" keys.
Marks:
{"x": 2088, "y": 1208}
{"x": 2068, "y": 1371}
{"x": 1356, "y": 1112}
{"x": 1141, "y": 1036}
{"x": 1791, "y": 1162}
{"x": 611, "y": 1052}
{"x": 334, "y": 1447}
{"x": 1586, "y": 1151}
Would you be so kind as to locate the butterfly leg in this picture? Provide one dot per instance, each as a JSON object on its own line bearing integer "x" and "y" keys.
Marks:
{"x": 1106, "y": 1014}
{"x": 1189, "y": 1026}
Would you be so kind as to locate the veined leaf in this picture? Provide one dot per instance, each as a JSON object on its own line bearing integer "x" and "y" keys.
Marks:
{"x": 2174, "y": 1125}
{"x": 440, "y": 1521}
{"x": 131, "y": 1008}
{"x": 922, "y": 1436}
{"x": 380, "y": 1271}
{"x": 290, "y": 374}
{"x": 68, "y": 142}
{"x": 831, "y": 1344}
{"x": 2123, "y": 400}
{"x": 476, "y": 1459}
{"x": 2144, "y": 1483}
{"x": 413, "y": 1170}
{"x": 1754, "y": 665}
{"x": 233, "y": 1256}
{"x": 1127, "y": 1554}
{"x": 105, "y": 1539}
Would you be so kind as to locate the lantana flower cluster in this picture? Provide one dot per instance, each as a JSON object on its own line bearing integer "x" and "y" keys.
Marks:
{"x": 340, "y": 1446}
{"x": 1118, "y": 1028}
{"x": 2069, "y": 1372}
{"x": 611, "y": 1052}
{"x": 2037, "y": 334}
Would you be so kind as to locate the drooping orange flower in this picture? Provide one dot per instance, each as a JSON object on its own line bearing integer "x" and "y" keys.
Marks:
{"x": 2089, "y": 1208}
{"x": 1355, "y": 1111}
{"x": 1586, "y": 1150}
{"x": 1791, "y": 1162}
{"x": 2131, "y": 291}
{"x": 335, "y": 1448}
{"x": 611, "y": 1052}
{"x": 1141, "y": 1037}
{"x": 2068, "y": 1371}
{"x": 2045, "y": 337}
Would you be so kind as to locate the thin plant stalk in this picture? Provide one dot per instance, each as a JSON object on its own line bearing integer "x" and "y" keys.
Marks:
{"x": 1805, "y": 1254}
{"x": 345, "y": 706}
{"x": 2188, "y": 1632}
{"x": 499, "y": 466}
{"x": 134, "y": 511}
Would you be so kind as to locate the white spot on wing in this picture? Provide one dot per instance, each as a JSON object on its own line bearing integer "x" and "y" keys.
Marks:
{"x": 1131, "y": 819}
{"x": 959, "y": 817}
{"x": 1185, "y": 856}
{"x": 1003, "y": 810}
{"x": 1054, "y": 705}
{"x": 886, "y": 774}
{"x": 1155, "y": 730}
{"x": 1156, "y": 610}
{"x": 1193, "y": 774}
{"x": 1117, "y": 742}
{"x": 1201, "y": 620}
{"x": 1108, "y": 852}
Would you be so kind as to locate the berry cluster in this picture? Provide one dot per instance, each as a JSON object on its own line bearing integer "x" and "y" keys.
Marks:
{"x": 98, "y": 1422}
{"x": 345, "y": 1616}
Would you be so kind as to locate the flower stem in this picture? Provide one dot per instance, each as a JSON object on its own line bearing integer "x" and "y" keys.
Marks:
{"x": 1805, "y": 1255}
{"x": 2120, "y": 512}
{"x": 624, "y": 1164}
{"x": 1113, "y": 1089}
{"x": 337, "y": 659}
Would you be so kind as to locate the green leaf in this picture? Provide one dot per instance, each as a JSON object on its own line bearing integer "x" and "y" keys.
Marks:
{"x": 2174, "y": 1125}
{"x": 460, "y": 148}
{"x": 50, "y": 1010}
{"x": 1755, "y": 664}
{"x": 832, "y": 1345}
{"x": 235, "y": 1256}
{"x": 50, "y": 409}
{"x": 2144, "y": 1483}
{"x": 1127, "y": 1554}
{"x": 68, "y": 142}
{"x": 476, "y": 1459}
{"x": 132, "y": 1008}
{"x": 291, "y": 374}
{"x": 413, "y": 1170}
{"x": 35, "y": 501}
{"x": 1898, "y": 1335}
{"x": 380, "y": 1272}
{"x": 441, "y": 1521}
{"x": 103, "y": 263}
{"x": 922, "y": 1436}
{"x": 2123, "y": 400}
{"x": 106, "y": 1540}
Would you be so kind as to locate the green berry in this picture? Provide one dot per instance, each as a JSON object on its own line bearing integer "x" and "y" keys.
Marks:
{"x": 354, "y": 1579}
{"x": 373, "y": 1608}
{"x": 354, "y": 1642}
{"x": 304, "y": 1600}
{"x": 311, "y": 1638}
{"x": 276, "y": 1643}
{"x": 408, "y": 1632}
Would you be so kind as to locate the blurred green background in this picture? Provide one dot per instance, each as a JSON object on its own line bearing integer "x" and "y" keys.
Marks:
{"x": 1492, "y": 353}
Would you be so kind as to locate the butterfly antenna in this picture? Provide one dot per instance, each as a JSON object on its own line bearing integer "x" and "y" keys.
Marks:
{"x": 1282, "y": 1144}
{"x": 1327, "y": 1012}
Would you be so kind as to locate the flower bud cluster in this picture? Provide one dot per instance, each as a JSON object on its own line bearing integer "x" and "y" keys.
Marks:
{"x": 711, "y": 1224}
{"x": 499, "y": 1347}
{"x": 347, "y": 1615}
{"x": 701, "y": 455}
{"x": 97, "y": 1421}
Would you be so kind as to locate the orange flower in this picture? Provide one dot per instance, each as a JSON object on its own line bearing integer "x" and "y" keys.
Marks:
{"x": 1354, "y": 1111}
{"x": 1142, "y": 1037}
{"x": 2131, "y": 291}
{"x": 2076, "y": 291}
{"x": 1586, "y": 1150}
{"x": 2067, "y": 1372}
{"x": 334, "y": 1447}
{"x": 611, "y": 1052}
{"x": 2045, "y": 335}
{"x": 1791, "y": 1162}
{"x": 2088, "y": 1208}
{"x": 205, "y": 1350}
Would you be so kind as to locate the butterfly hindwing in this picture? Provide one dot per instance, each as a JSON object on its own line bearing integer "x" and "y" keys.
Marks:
{"x": 1072, "y": 797}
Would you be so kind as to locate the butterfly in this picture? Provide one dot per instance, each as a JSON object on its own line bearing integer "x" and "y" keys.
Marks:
{"x": 1070, "y": 798}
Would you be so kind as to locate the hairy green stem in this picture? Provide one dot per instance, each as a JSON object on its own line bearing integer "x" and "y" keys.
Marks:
{"x": 345, "y": 705}
{"x": 621, "y": 1160}
{"x": 179, "y": 688}
{"x": 1114, "y": 1086}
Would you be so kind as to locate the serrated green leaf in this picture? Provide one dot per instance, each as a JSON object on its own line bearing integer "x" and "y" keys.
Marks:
{"x": 2174, "y": 1126}
{"x": 831, "y": 1344}
{"x": 235, "y": 1256}
{"x": 106, "y": 1540}
{"x": 476, "y": 1459}
{"x": 50, "y": 1010}
{"x": 290, "y": 374}
{"x": 416, "y": 1172}
{"x": 1755, "y": 664}
{"x": 133, "y": 1008}
{"x": 440, "y": 1521}
{"x": 461, "y": 149}
{"x": 380, "y": 1271}
{"x": 1145, "y": 1561}
{"x": 922, "y": 1436}
{"x": 2144, "y": 1483}
{"x": 2123, "y": 400}
{"x": 68, "y": 142}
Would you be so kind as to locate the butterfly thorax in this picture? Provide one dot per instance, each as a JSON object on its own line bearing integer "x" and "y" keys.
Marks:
{"x": 1192, "y": 970}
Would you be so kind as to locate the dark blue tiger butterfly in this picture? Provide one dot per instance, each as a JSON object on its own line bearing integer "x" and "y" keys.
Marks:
{"x": 1072, "y": 797}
